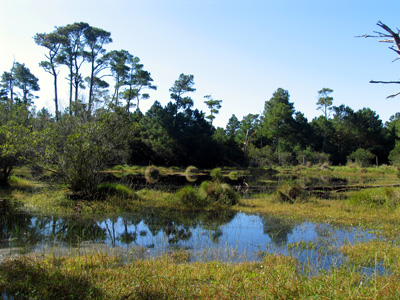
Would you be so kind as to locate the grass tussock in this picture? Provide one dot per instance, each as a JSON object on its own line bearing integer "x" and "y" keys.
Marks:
{"x": 100, "y": 276}
{"x": 111, "y": 189}
{"x": 290, "y": 193}
{"x": 152, "y": 174}
{"x": 388, "y": 197}
{"x": 208, "y": 194}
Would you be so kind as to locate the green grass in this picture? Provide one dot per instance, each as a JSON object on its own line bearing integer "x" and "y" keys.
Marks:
{"x": 100, "y": 276}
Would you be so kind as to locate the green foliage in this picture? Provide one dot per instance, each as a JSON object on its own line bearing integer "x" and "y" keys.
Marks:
{"x": 394, "y": 155}
{"x": 313, "y": 157}
{"x": 277, "y": 119}
{"x": 362, "y": 157}
{"x": 184, "y": 84}
{"x": 213, "y": 106}
{"x": 15, "y": 146}
{"x": 78, "y": 151}
{"x": 265, "y": 156}
{"x": 216, "y": 174}
{"x": 324, "y": 102}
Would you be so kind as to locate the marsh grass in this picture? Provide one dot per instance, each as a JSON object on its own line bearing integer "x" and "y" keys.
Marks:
{"x": 99, "y": 276}
{"x": 23, "y": 183}
{"x": 376, "y": 197}
{"x": 372, "y": 252}
{"x": 290, "y": 192}
{"x": 152, "y": 174}
{"x": 191, "y": 174}
{"x": 111, "y": 189}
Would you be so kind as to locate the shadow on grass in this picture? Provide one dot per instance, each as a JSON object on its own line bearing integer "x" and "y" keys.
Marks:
{"x": 25, "y": 278}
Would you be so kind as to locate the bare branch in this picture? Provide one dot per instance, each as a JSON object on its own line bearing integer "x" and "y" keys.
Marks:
{"x": 386, "y": 41}
{"x": 392, "y": 96}
{"x": 389, "y": 82}
{"x": 394, "y": 35}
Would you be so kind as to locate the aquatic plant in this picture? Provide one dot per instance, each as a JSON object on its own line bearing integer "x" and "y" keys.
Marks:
{"x": 191, "y": 173}
{"x": 190, "y": 197}
{"x": 216, "y": 192}
{"x": 152, "y": 174}
{"x": 216, "y": 174}
{"x": 290, "y": 193}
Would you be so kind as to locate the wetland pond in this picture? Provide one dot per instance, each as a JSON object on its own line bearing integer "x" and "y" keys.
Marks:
{"x": 225, "y": 236}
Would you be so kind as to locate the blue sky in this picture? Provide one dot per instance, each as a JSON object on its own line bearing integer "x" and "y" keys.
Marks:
{"x": 238, "y": 51}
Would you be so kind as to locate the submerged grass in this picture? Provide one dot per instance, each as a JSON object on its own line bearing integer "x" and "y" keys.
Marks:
{"x": 372, "y": 252}
{"x": 100, "y": 276}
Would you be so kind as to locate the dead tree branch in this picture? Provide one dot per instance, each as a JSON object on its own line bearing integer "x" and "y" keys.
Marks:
{"x": 389, "y": 37}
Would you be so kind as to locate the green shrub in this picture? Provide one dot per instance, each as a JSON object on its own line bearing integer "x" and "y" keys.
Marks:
{"x": 362, "y": 157}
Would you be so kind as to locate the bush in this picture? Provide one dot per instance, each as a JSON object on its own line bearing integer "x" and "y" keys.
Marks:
{"x": 362, "y": 157}
{"x": 152, "y": 174}
{"x": 265, "y": 156}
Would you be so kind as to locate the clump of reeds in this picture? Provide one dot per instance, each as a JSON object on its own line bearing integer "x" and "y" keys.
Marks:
{"x": 217, "y": 192}
{"x": 209, "y": 192}
{"x": 290, "y": 192}
{"x": 152, "y": 174}
{"x": 191, "y": 173}
{"x": 190, "y": 197}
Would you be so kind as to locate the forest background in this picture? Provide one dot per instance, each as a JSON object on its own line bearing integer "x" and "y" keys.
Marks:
{"x": 102, "y": 123}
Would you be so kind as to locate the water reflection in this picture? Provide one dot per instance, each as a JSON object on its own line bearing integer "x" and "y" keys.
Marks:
{"x": 224, "y": 235}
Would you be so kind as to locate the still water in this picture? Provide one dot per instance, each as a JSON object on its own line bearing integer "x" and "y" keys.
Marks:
{"x": 223, "y": 236}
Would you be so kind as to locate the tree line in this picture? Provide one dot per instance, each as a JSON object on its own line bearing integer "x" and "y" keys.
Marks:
{"x": 107, "y": 127}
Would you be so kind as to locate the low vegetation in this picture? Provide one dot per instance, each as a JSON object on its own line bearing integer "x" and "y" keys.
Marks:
{"x": 99, "y": 276}
{"x": 104, "y": 276}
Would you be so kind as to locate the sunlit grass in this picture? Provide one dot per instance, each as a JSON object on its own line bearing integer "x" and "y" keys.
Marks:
{"x": 101, "y": 276}
{"x": 373, "y": 252}
{"x": 23, "y": 183}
